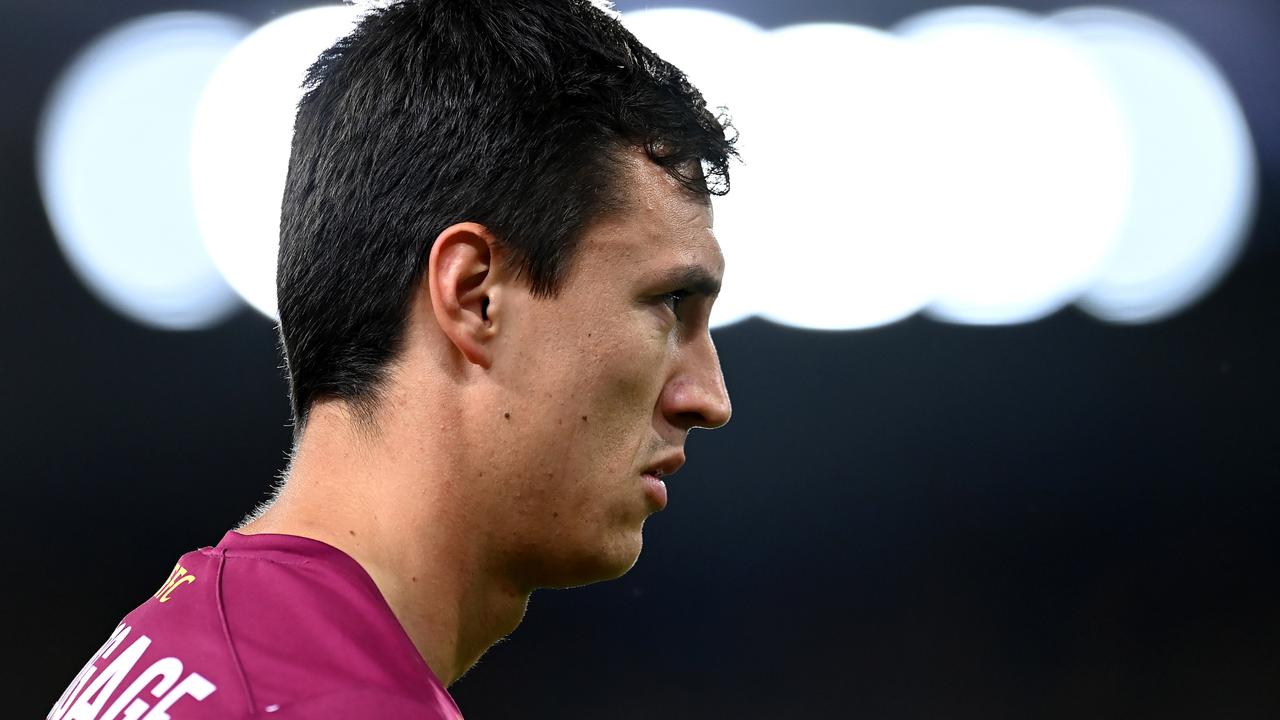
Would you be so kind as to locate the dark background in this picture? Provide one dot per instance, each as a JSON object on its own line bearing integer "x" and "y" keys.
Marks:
{"x": 1064, "y": 519}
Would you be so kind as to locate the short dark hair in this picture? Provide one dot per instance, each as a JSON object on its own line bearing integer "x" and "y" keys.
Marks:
{"x": 509, "y": 113}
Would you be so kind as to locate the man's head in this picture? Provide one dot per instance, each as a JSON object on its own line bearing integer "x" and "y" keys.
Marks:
{"x": 511, "y": 197}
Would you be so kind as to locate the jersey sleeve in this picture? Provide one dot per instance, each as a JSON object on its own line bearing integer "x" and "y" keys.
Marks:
{"x": 362, "y": 703}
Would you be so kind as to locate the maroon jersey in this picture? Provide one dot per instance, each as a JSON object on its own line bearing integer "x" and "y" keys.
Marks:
{"x": 262, "y": 626}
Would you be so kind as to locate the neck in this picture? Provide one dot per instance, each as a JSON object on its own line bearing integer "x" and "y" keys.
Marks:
{"x": 413, "y": 532}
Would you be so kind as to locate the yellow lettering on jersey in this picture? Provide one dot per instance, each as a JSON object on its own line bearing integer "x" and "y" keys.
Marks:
{"x": 178, "y": 577}
{"x": 173, "y": 575}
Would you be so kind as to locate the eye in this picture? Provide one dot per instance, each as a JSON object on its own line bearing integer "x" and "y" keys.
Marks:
{"x": 673, "y": 300}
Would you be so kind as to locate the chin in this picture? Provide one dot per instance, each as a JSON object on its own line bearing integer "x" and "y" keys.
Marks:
{"x": 609, "y": 561}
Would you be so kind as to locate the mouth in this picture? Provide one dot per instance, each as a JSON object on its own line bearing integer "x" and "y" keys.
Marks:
{"x": 655, "y": 490}
{"x": 654, "y": 487}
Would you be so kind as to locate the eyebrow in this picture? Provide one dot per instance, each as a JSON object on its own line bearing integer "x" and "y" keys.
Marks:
{"x": 695, "y": 279}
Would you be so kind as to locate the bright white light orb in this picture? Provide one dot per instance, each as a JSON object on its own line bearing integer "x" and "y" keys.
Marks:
{"x": 1036, "y": 157}
{"x": 1195, "y": 175}
{"x": 113, "y": 168}
{"x": 240, "y": 146}
{"x": 719, "y": 53}
{"x": 842, "y": 143}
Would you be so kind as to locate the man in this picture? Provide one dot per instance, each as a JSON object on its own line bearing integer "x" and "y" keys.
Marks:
{"x": 496, "y": 270}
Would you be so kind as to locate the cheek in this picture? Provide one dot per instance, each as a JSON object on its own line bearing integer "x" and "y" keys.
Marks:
{"x": 583, "y": 405}
{"x": 619, "y": 392}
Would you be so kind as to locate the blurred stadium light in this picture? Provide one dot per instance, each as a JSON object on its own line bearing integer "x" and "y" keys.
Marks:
{"x": 832, "y": 207}
{"x": 240, "y": 146}
{"x": 1195, "y": 182}
{"x": 112, "y": 165}
{"x": 1035, "y": 155}
{"x": 985, "y": 165}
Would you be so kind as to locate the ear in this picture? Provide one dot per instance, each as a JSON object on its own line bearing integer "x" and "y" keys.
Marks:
{"x": 460, "y": 273}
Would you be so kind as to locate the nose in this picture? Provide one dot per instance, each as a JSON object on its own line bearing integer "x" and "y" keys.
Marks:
{"x": 695, "y": 395}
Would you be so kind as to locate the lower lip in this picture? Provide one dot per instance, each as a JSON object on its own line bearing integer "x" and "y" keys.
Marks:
{"x": 656, "y": 490}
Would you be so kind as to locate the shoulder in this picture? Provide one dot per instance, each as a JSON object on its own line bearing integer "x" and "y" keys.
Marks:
{"x": 280, "y": 627}
{"x": 364, "y": 702}
{"x": 281, "y": 622}
{"x": 300, "y": 616}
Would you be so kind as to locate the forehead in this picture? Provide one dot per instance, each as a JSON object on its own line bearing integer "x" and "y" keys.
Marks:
{"x": 659, "y": 225}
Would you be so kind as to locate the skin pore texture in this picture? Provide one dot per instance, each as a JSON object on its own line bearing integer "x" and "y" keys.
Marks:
{"x": 514, "y": 431}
